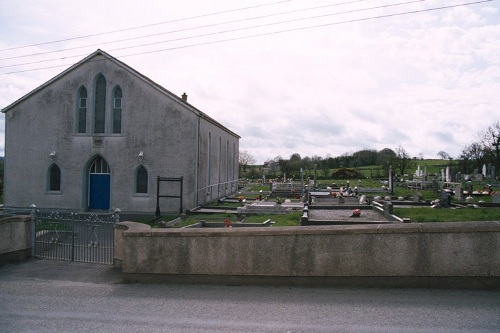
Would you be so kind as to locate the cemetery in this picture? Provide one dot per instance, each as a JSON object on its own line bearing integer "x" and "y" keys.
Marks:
{"x": 342, "y": 236}
{"x": 340, "y": 203}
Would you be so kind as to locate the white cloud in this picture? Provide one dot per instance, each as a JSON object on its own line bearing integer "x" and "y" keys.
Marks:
{"x": 424, "y": 81}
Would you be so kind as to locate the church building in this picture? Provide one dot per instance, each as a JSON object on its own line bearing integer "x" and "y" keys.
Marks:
{"x": 101, "y": 136}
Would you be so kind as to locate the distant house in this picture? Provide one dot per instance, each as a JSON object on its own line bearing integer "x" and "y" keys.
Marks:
{"x": 98, "y": 136}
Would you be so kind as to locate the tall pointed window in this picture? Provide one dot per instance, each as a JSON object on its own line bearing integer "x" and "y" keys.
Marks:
{"x": 117, "y": 111}
{"x": 99, "y": 166}
{"x": 82, "y": 110}
{"x": 100, "y": 105}
{"x": 141, "y": 180}
{"x": 54, "y": 178}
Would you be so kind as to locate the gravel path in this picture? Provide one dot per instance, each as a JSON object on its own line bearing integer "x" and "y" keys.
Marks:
{"x": 344, "y": 215}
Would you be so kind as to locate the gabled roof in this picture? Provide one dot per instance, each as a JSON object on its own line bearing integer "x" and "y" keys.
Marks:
{"x": 131, "y": 71}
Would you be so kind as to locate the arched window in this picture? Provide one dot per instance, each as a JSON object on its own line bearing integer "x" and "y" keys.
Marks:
{"x": 54, "y": 178}
{"x": 99, "y": 166}
{"x": 117, "y": 111}
{"x": 82, "y": 110}
{"x": 141, "y": 180}
{"x": 100, "y": 105}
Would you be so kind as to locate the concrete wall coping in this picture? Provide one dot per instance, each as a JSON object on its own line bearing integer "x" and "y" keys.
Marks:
{"x": 141, "y": 230}
{"x": 15, "y": 218}
{"x": 132, "y": 226}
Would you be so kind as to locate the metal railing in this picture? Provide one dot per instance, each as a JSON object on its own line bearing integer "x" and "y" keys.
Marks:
{"x": 82, "y": 237}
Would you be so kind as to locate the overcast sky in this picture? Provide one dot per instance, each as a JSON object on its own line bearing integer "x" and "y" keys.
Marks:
{"x": 315, "y": 77}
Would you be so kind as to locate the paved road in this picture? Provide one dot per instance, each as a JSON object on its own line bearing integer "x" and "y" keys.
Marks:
{"x": 57, "y": 296}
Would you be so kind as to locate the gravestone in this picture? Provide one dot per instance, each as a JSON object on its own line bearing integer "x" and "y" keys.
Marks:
{"x": 388, "y": 209}
{"x": 435, "y": 187}
{"x": 445, "y": 199}
{"x": 417, "y": 197}
{"x": 459, "y": 194}
{"x": 363, "y": 200}
{"x": 495, "y": 198}
{"x": 468, "y": 187}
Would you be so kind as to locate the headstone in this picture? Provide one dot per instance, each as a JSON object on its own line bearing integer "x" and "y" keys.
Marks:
{"x": 417, "y": 197}
{"x": 495, "y": 198}
{"x": 484, "y": 170}
{"x": 448, "y": 179}
{"x": 388, "y": 209}
{"x": 442, "y": 175}
{"x": 445, "y": 199}
{"x": 435, "y": 187}
{"x": 468, "y": 187}
{"x": 492, "y": 172}
{"x": 459, "y": 194}
{"x": 458, "y": 177}
{"x": 362, "y": 200}
{"x": 469, "y": 200}
{"x": 390, "y": 180}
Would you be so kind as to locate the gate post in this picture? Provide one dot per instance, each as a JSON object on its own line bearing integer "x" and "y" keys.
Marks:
{"x": 33, "y": 229}
{"x": 117, "y": 215}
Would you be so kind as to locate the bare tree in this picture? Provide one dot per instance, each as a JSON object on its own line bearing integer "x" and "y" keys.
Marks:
{"x": 402, "y": 160}
{"x": 491, "y": 142}
{"x": 245, "y": 159}
{"x": 444, "y": 155}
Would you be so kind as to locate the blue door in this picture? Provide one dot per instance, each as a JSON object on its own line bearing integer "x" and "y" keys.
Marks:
{"x": 99, "y": 184}
{"x": 99, "y": 191}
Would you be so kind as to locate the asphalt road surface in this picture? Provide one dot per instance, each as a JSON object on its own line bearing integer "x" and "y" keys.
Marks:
{"x": 58, "y": 296}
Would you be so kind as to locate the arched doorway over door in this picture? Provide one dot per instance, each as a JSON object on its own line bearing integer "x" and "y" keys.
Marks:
{"x": 99, "y": 184}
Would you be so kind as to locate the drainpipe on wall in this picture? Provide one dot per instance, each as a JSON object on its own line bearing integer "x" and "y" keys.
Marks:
{"x": 196, "y": 193}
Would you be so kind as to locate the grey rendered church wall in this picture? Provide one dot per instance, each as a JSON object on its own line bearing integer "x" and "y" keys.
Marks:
{"x": 162, "y": 127}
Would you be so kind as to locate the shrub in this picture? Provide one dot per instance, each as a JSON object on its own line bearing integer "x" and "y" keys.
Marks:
{"x": 347, "y": 173}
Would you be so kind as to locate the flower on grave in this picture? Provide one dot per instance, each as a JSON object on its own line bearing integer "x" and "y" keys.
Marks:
{"x": 356, "y": 212}
{"x": 228, "y": 223}
{"x": 278, "y": 200}
{"x": 240, "y": 198}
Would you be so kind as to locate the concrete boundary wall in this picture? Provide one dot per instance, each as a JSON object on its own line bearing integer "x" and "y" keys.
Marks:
{"x": 455, "y": 255}
{"x": 15, "y": 238}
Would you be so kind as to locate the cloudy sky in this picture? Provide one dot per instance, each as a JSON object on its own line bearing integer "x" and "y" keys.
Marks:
{"x": 316, "y": 77}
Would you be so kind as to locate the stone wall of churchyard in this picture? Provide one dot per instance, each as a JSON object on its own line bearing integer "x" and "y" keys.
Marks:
{"x": 15, "y": 239}
{"x": 459, "y": 254}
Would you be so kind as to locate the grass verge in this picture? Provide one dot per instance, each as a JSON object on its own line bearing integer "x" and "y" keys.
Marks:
{"x": 427, "y": 214}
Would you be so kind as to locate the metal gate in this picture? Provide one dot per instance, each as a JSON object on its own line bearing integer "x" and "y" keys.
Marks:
{"x": 74, "y": 236}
